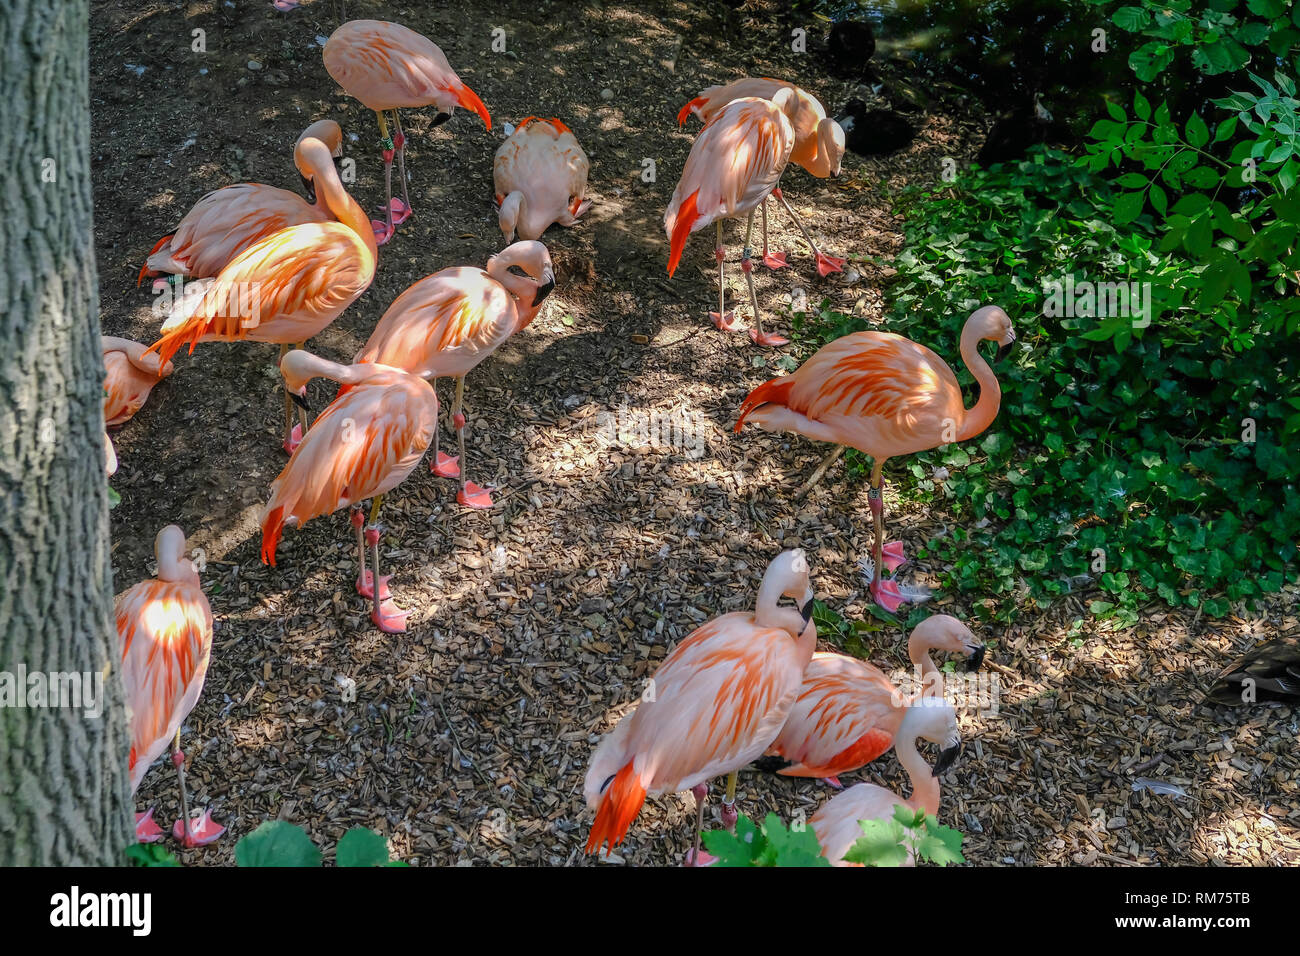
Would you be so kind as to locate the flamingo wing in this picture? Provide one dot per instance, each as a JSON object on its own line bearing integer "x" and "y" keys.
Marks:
{"x": 836, "y": 822}
{"x": 165, "y": 634}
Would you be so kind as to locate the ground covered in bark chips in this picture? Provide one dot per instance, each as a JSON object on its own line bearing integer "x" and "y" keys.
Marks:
{"x": 536, "y": 624}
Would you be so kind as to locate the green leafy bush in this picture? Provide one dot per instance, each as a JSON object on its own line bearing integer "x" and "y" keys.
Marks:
{"x": 279, "y": 843}
{"x": 883, "y": 842}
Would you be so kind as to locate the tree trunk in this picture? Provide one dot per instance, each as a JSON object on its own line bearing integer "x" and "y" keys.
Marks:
{"x": 64, "y": 793}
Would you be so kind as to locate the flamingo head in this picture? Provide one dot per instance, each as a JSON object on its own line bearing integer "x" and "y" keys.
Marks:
{"x": 937, "y": 722}
{"x": 951, "y": 635}
{"x": 298, "y": 367}
{"x": 992, "y": 323}
{"x": 169, "y": 549}
{"x": 525, "y": 269}
{"x": 508, "y": 215}
{"x": 324, "y": 131}
{"x": 787, "y": 576}
{"x": 830, "y": 148}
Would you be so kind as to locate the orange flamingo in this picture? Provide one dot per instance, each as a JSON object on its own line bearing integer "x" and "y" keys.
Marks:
{"x": 540, "y": 175}
{"x": 848, "y": 712}
{"x": 836, "y": 823}
{"x": 719, "y": 699}
{"x": 389, "y": 67}
{"x": 818, "y": 148}
{"x": 227, "y": 221}
{"x": 362, "y": 446}
{"x": 736, "y": 161}
{"x": 448, "y": 322}
{"x": 165, "y": 629}
{"x": 131, "y": 372}
{"x": 284, "y": 288}
{"x": 885, "y": 396}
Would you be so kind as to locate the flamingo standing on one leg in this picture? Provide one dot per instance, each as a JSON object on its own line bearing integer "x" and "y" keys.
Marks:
{"x": 719, "y": 700}
{"x": 818, "y": 148}
{"x": 227, "y": 221}
{"x": 734, "y": 165}
{"x": 848, "y": 712}
{"x": 131, "y": 372}
{"x": 165, "y": 629}
{"x": 836, "y": 822}
{"x": 540, "y": 175}
{"x": 448, "y": 322}
{"x": 885, "y": 396}
{"x": 286, "y": 287}
{"x": 389, "y": 67}
{"x": 362, "y": 446}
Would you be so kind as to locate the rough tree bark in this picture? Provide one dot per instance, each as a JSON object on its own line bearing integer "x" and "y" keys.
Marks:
{"x": 64, "y": 793}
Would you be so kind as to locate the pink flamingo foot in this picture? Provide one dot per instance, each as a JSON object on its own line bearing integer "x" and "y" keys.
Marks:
{"x": 366, "y": 588}
{"x": 389, "y": 618}
{"x": 706, "y": 858}
{"x": 294, "y": 440}
{"x": 472, "y": 496}
{"x": 383, "y": 232}
{"x": 448, "y": 466}
{"x": 774, "y": 260}
{"x": 146, "y": 831}
{"x": 401, "y": 211}
{"x": 729, "y": 815}
{"x": 284, "y": 6}
{"x": 767, "y": 339}
{"x": 828, "y": 264}
{"x": 833, "y": 783}
{"x": 726, "y": 323}
{"x": 887, "y": 594}
{"x": 202, "y": 831}
{"x": 891, "y": 556}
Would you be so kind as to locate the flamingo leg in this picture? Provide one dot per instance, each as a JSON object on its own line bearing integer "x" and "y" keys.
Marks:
{"x": 386, "y": 616}
{"x": 289, "y": 444}
{"x": 723, "y": 319}
{"x": 886, "y": 593}
{"x": 729, "y": 812}
{"x": 365, "y": 578}
{"x": 384, "y": 230}
{"x": 447, "y": 466}
{"x": 756, "y": 335}
{"x": 470, "y": 494}
{"x": 696, "y": 856}
{"x": 188, "y": 832}
{"x": 178, "y": 759}
{"x": 773, "y": 260}
{"x": 399, "y": 140}
{"x": 825, "y": 264}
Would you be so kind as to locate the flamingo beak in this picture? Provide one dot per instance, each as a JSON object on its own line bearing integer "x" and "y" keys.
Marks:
{"x": 300, "y": 400}
{"x": 976, "y": 659}
{"x": 807, "y": 609}
{"x": 309, "y": 187}
{"x": 440, "y": 118}
{"x": 1003, "y": 352}
{"x": 946, "y": 759}
{"x": 545, "y": 289}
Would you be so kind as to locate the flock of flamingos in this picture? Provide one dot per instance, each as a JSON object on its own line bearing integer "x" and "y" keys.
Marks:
{"x": 252, "y": 262}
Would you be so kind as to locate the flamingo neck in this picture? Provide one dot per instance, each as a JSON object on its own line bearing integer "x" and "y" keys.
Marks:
{"x": 330, "y": 190}
{"x": 979, "y": 416}
{"x": 925, "y": 785}
{"x": 522, "y": 289}
{"x": 512, "y": 210}
{"x": 768, "y": 611}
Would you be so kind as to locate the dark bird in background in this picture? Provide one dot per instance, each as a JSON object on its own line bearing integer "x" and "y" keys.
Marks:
{"x": 850, "y": 47}
{"x": 1017, "y": 129}
{"x": 874, "y": 132}
{"x": 1270, "y": 672}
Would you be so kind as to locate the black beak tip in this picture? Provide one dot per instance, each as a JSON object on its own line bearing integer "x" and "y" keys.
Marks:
{"x": 441, "y": 118}
{"x": 1003, "y": 351}
{"x": 309, "y": 188}
{"x": 542, "y": 292}
{"x": 976, "y": 660}
{"x": 807, "y": 611}
{"x": 946, "y": 759}
{"x": 300, "y": 401}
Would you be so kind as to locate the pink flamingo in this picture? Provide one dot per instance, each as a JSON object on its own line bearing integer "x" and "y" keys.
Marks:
{"x": 540, "y": 175}
{"x": 131, "y": 372}
{"x": 719, "y": 699}
{"x": 836, "y": 823}
{"x": 227, "y": 221}
{"x": 363, "y": 445}
{"x": 286, "y": 287}
{"x": 390, "y": 67}
{"x": 164, "y": 626}
{"x": 885, "y": 396}
{"x": 734, "y": 165}
{"x": 848, "y": 712}
{"x": 449, "y": 322}
{"x": 818, "y": 148}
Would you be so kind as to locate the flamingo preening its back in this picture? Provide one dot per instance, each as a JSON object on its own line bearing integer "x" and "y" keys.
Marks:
{"x": 164, "y": 626}
{"x": 131, "y": 372}
{"x": 885, "y": 396}
{"x": 818, "y": 147}
{"x": 540, "y": 176}
{"x": 717, "y": 702}
{"x": 734, "y": 165}
{"x": 390, "y": 67}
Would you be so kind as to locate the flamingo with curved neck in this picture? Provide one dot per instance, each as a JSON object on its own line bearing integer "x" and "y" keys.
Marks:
{"x": 885, "y": 396}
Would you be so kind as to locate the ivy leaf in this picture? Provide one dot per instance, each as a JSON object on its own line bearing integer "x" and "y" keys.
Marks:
{"x": 741, "y": 848}
{"x": 940, "y": 844}
{"x": 277, "y": 843}
{"x": 793, "y": 847}
{"x": 881, "y": 844}
{"x": 361, "y": 846}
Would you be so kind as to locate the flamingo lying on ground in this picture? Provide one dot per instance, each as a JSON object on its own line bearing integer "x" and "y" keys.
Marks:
{"x": 848, "y": 712}
{"x": 227, "y": 221}
{"x": 448, "y": 322}
{"x": 165, "y": 629}
{"x": 736, "y": 161}
{"x": 286, "y": 287}
{"x": 389, "y": 67}
{"x": 836, "y": 822}
{"x": 818, "y": 148}
{"x": 540, "y": 176}
{"x": 131, "y": 372}
{"x": 885, "y": 396}
{"x": 719, "y": 699}
{"x": 362, "y": 446}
